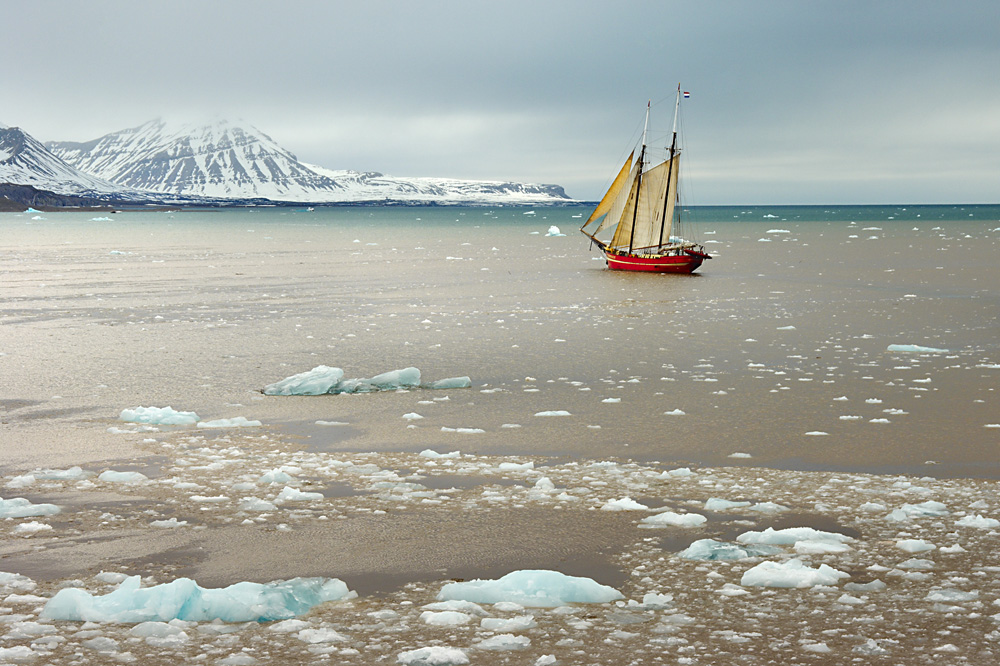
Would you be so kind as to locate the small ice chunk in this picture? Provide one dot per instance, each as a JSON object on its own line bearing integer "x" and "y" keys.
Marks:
{"x": 671, "y": 519}
{"x": 431, "y": 453}
{"x": 718, "y": 504}
{"x": 710, "y": 549}
{"x": 675, "y": 412}
{"x": 557, "y": 412}
{"x": 507, "y": 625}
{"x": 915, "y": 545}
{"x": 624, "y": 504}
{"x": 976, "y": 520}
{"x": 19, "y": 507}
{"x": 950, "y": 595}
{"x": 183, "y": 599}
{"x": 317, "y": 381}
{"x": 235, "y": 422}
{"x": 412, "y": 416}
{"x": 504, "y": 642}
{"x": 540, "y": 588}
{"x": 449, "y": 383}
{"x": 112, "y": 476}
{"x": 31, "y": 527}
{"x": 289, "y": 494}
{"x": 434, "y": 655}
{"x": 791, "y": 574}
{"x": 916, "y": 349}
{"x": 791, "y": 535}
{"x": 445, "y": 618}
{"x": 158, "y": 416}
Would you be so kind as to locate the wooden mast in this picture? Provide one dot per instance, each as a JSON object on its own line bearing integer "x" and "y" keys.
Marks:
{"x": 638, "y": 185}
{"x": 670, "y": 168}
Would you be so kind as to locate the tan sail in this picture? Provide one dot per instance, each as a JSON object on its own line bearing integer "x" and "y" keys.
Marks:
{"x": 612, "y": 194}
{"x": 624, "y": 212}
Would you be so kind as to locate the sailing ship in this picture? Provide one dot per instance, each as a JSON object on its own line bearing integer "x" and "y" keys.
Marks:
{"x": 642, "y": 206}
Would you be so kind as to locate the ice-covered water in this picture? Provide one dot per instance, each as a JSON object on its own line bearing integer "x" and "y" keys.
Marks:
{"x": 841, "y": 372}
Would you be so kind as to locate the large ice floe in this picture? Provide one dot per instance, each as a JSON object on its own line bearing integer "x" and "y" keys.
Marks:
{"x": 529, "y": 587}
{"x": 183, "y": 599}
{"x": 325, "y": 379}
{"x": 158, "y": 416}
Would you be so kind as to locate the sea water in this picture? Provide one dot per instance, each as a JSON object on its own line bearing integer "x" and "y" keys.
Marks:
{"x": 765, "y": 378}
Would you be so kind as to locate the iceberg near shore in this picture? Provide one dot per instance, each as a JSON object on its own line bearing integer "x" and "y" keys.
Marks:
{"x": 324, "y": 379}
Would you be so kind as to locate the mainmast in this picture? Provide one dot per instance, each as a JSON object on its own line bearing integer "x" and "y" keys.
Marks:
{"x": 670, "y": 167}
{"x": 638, "y": 185}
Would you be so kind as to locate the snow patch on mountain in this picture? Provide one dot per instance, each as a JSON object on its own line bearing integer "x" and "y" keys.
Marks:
{"x": 25, "y": 161}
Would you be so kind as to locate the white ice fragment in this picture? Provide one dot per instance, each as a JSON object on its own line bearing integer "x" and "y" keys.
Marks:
{"x": 169, "y": 523}
{"x": 532, "y": 588}
{"x": 460, "y": 606}
{"x": 412, "y": 416}
{"x": 289, "y": 494}
{"x": 449, "y": 383}
{"x": 786, "y": 328}
{"x": 719, "y": 504}
{"x": 791, "y": 535}
{"x": 624, "y": 504}
{"x": 504, "y": 642}
{"x": 112, "y": 476}
{"x": 678, "y": 473}
{"x": 950, "y": 595}
{"x": 430, "y": 453}
{"x": 793, "y": 573}
{"x": 183, "y": 599}
{"x": 434, "y": 655}
{"x": 277, "y": 475}
{"x": 31, "y": 527}
{"x": 320, "y": 635}
{"x": 158, "y": 416}
{"x": 671, "y": 519}
{"x": 256, "y": 504}
{"x": 611, "y": 400}
{"x": 507, "y": 625}
{"x": 445, "y": 618}
{"x": 554, "y": 231}
{"x": 915, "y": 545}
{"x": 821, "y": 547}
{"x": 557, "y": 412}
{"x": 740, "y": 454}
{"x": 976, "y": 520}
{"x": 19, "y": 507}
{"x": 817, "y": 433}
{"x": 710, "y": 549}
{"x": 915, "y": 349}
{"x": 675, "y": 412}
{"x": 235, "y": 422}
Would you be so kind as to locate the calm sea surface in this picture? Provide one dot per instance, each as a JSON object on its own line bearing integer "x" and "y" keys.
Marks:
{"x": 776, "y": 348}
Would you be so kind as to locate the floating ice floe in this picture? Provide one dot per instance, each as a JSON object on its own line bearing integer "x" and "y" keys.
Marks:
{"x": 790, "y": 536}
{"x": 718, "y": 504}
{"x": 431, "y": 453}
{"x": 325, "y": 379}
{"x": 671, "y": 519}
{"x": 554, "y": 231}
{"x": 113, "y": 476}
{"x": 535, "y": 588}
{"x": 793, "y": 573}
{"x": 915, "y": 349}
{"x": 710, "y": 549}
{"x": 158, "y": 416}
{"x": 236, "y": 422}
{"x": 555, "y": 412}
{"x": 624, "y": 504}
{"x": 183, "y": 599}
{"x": 978, "y": 521}
{"x": 433, "y": 655}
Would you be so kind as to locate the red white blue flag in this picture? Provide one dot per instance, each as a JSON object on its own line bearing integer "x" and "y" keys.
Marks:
{"x": 686, "y": 94}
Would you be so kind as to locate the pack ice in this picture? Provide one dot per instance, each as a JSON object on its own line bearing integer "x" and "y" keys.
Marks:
{"x": 184, "y": 599}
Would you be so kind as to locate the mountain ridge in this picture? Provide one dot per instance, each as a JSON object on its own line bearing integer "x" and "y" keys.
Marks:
{"x": 233, "y": 162}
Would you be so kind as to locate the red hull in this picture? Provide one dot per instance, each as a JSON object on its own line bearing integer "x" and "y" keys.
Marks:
{"x": 671, "y": 263}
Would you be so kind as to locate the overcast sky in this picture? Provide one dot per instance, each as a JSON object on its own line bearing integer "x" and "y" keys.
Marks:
{"x": 791, "y": 102}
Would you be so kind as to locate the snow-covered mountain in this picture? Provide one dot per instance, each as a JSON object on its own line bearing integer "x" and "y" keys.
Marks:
{"x": 229, "y": 161}
{"x": 25, "y": 161}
